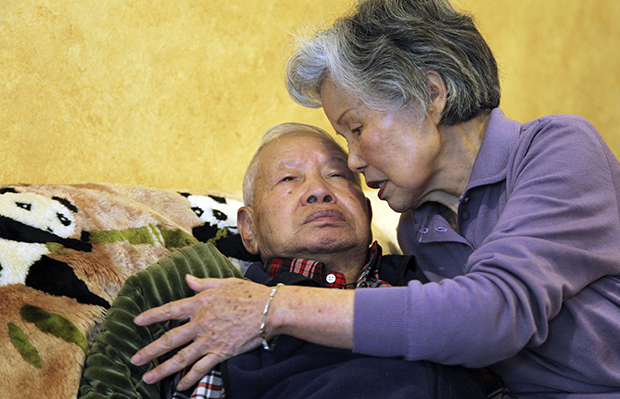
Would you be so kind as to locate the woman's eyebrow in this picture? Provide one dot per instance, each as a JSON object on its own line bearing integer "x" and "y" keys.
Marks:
{"x": 339, "y": 121}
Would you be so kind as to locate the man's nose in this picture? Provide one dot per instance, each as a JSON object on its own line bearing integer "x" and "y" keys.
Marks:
{"x": 313, "y": 198}
{"x": 318, "y": 191}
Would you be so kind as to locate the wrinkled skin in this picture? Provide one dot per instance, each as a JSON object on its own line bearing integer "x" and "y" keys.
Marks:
{"x": 284, "y": 222}
{"x": 217, "y": 333}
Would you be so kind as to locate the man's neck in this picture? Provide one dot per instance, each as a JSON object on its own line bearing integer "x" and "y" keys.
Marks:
{"x": 349, "y": 263}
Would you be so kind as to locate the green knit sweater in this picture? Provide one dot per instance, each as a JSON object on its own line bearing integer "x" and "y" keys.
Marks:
{"x": 108, "y": 371}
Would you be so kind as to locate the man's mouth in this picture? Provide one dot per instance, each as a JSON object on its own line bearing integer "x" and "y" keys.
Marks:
{"x": 325, "y": 215}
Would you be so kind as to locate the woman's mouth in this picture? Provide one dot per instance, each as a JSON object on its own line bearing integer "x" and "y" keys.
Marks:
{"x": 379, "y": 185}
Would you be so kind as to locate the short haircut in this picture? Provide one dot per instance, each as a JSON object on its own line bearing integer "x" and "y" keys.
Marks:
{"x": 382, "y": 52}
{"x": 273, "y": 134}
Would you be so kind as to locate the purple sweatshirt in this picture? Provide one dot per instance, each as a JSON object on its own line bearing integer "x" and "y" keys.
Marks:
{"x": 530, "y": 284}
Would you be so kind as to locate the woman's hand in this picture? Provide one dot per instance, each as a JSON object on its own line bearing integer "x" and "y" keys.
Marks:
{"x": 225, "y": 318}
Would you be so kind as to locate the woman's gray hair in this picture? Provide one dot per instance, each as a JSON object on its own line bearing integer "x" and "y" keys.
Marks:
{"x": 381, "y": 55}
{"x": 273, "y": 134}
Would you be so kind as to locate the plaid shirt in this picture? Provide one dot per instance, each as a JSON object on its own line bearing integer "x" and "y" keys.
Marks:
{"x": 211, "y": 386}
{"x": 368, "y": 276}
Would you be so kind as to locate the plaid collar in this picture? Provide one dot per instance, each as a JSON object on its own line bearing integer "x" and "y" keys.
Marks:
{"x": 368, "y": 277}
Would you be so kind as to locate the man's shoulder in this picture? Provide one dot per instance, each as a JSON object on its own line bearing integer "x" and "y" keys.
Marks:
{"x": 398, "y": 270}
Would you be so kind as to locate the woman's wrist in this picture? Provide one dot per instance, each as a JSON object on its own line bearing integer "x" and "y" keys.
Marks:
{"x": 318, "y": 315}
{"x": 263, "y": 323}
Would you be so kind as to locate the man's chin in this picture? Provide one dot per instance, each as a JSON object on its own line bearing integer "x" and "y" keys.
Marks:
{"x": 327, "y": 244}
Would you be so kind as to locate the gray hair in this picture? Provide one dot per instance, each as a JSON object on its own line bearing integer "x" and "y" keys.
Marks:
{"x": 284, "y": 129}
{"x": 382, "y": 52}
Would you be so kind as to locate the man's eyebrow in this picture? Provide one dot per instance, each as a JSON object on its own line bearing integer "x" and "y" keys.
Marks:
{"x": 339, "y": 158}
{"x": 287, "y": 163}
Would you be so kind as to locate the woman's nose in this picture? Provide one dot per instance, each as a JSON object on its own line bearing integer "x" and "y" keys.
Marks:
{"x": 355, "y": 162}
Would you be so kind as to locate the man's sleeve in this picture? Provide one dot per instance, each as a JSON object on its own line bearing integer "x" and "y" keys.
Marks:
{"x": 108, "y": 371}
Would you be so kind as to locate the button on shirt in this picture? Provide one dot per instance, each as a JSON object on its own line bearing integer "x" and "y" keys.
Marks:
{"x": 368, "y": 276}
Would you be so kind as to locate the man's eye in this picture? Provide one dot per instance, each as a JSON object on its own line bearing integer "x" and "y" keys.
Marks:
{"x": 342, "y": 175}
{"x": 287, "y": 178}
{"x": 357, "y": 131}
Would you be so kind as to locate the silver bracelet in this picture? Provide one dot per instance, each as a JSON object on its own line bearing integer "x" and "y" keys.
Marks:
{"x": 263, "y": 334}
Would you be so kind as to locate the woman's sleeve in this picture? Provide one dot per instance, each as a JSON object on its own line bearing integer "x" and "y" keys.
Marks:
{"x": 108, "y": 371}
{"x": 558, "y": 233}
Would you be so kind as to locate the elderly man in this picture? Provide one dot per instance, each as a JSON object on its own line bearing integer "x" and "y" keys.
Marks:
{"x": 306, "y": 216}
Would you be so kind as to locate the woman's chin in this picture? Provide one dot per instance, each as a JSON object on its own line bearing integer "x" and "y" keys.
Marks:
{"x": 398, "y": 206}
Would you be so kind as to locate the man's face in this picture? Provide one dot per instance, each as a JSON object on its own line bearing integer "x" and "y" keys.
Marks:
{"x": 306, "y": 201}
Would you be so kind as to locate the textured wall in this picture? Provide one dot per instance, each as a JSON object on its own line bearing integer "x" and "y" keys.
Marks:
{"x": 176, "y": 94}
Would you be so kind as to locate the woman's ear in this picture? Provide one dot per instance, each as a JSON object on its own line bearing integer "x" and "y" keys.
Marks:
{"x": 244, "y": 224}
{"x": 439, "y": 96}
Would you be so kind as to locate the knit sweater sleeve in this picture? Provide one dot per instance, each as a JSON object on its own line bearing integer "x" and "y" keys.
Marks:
{"x": 108, "y": 371}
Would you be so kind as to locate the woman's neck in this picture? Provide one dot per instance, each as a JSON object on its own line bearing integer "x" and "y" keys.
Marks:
{"x": 462, "y": 145}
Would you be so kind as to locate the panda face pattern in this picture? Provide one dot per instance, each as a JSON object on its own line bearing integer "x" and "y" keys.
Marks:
{"x": 51, "y": 215}
{"x": 43, "y": 213}
{"x": 216, "y": 211}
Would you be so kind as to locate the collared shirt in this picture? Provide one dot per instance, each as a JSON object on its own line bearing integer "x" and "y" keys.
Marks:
{"x": 368, "y": 276}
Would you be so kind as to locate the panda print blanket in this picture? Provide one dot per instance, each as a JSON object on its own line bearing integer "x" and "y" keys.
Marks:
{"x": 66, "y": 250}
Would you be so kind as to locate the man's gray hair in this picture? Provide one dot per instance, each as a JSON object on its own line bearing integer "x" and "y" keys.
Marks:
{"x": 382, "y": 52}
{"x": 249, "y": 179}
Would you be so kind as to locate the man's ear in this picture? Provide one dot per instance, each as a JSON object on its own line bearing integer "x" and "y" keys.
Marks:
{"x": 368, "y": 204}
{"x": 244, "y": 224}
{"x": 439, "y": 95}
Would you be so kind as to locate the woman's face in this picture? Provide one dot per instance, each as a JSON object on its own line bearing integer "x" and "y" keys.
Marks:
{"x": 397, "y": 153}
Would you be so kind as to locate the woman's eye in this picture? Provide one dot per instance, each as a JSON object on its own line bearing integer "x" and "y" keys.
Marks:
{"x": 357, "y": 131}
{"x": 287, "y": 178}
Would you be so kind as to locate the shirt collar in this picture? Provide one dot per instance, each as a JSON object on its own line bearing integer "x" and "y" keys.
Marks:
{"x": 327, "y": 278}
{"x": 500, "y": 137}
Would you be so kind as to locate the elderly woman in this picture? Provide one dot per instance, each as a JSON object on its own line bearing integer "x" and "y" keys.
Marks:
{"x": 518, "y": 225}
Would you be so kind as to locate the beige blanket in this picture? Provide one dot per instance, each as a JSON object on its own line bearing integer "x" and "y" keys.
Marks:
{"x": 65, "y": 251}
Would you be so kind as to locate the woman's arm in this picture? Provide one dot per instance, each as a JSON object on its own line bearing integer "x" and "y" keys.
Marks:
{"x": 317, "y": 315}
{"x": 553, "y": 232}
{"x": 225, "y": 320}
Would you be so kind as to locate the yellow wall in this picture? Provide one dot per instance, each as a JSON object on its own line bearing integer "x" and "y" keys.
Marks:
{"x": 176, "y": 94}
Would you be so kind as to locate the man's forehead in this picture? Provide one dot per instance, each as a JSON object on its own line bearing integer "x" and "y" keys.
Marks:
{"x": 285, "y": 150}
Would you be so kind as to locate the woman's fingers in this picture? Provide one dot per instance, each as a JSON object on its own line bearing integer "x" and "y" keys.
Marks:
{"x": 201, "y": 284}
{"x": 177, "y": 310}
{"x": 167, "y": 342}
{"x": 181, "y": 309}
{"x": 225, "y": 317}
{"x": 179, "y": 361}
{"x": 198, "y": 370}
